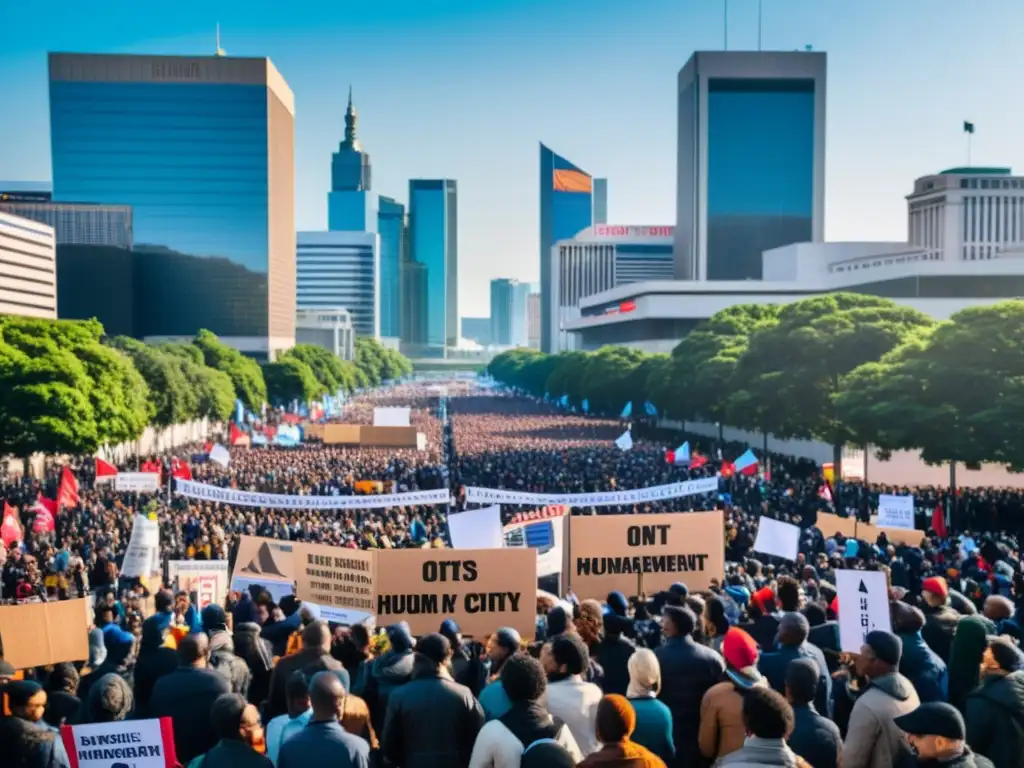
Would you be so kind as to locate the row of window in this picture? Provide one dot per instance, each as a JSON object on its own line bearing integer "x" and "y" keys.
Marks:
{"x": 991, "y": 183}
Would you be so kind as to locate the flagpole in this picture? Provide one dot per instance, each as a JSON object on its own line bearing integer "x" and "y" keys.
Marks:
{"x": 725, "y": 23}
{"x": 970, "y": 135}
{"x": 760, "y": 13}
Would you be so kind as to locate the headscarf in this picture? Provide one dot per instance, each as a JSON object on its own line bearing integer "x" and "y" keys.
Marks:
{"x": 968, "y": 647}
{"x": 644, "y": 674}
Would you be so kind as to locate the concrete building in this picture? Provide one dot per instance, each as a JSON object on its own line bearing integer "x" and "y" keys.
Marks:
{"x": 28, "y": 267}
{"x": 340, "y": 270}
{"x": 203, "y": 151}
{"x": 533, "y": 320}
{"x": 751, "y": 160}
{"x": 331, "y": 329}
{"x": 598, "y": 259}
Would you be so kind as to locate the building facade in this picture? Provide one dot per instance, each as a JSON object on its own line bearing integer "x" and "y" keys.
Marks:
{"x": 28, "y": 267}
{"x": 477, "y": 329}
{"x": 533, "y": 320}
{"x": 340, "y": 270}
{"x": 600, "y": 201}
{"x": 203, "y": 151}
{"x": 391, "y": 225}
{"x": 351, "y": 204}
{"x": 79, "y": 223}
{"x": 414, "y": 308}
{"x": 598, "y": 259}
{"x": 566, "y": 207}
{"x": 508, "y": 312}
{"x": 751, "y": 159}
{"x": 331, "y": 329}
{"x": 433, "y": 240}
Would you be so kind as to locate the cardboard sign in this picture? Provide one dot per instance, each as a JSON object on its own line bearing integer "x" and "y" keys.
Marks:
{"x": 264, "y": 559}
{"x": 482, "y": 589}
{"x": 830, "y": 525}
{"x": 37, "y": 634}
{"x": 137, "y": 482}
{"x": 338, "y": 579}
{"x": 863, "y": 606}
{"x": 649, "y": 553}
{"x": 896, "y": 511}
{"x": 775, "y": 537}
{"x": 135, "y": 743}
{"x": 208, "y": 579}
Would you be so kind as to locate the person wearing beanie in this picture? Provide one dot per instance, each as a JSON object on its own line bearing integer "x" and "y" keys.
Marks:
{"x": 688, "y": 671}
{"x": 940, "y": 619}
{"x": 559, "y": 621}
{"x": 616, "y": 722}
{"x": 110, "y": 700}
{"x": 764, "y": 624}
{"x": 504, "y": 743}
{"x": 919, "y": 663}
{"x": 250, "y": 646}
{"x": 222, "y": 650}
{"x": 814, "y": 737}
{"x": 768, "y": 719}
{"x": 618, "y": 604}
{"x": 653, "y": 718}
{"x": 570, "y": 698}
{"x": 431, "y": 720}
{"x": 936, "y": 733}
{"x": 62, "y": 705}
{"x": 721, "y": 710}
{"x": 501, "y": 646}
{"x": 793, "y": 632}
{"x": 965, "y": 657}
{"x": 872, "y": 739}
{"x": 388, "y": 673}
{"x": 466, "y": 667}
{"x": 995, "y": 711}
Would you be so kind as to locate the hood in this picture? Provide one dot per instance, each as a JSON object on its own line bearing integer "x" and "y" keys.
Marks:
{"x": 1007, "y": 691}
{"x": 894, "y": 685}
{"x": 394, "y": 667}
{"x": 766, "y": 752}
{"x": 221, "y": 640}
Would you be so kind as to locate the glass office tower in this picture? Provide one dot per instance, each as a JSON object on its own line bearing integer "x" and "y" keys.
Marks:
{"x": 566, "y": 208}
{"x": 351, "y": 204}
{"x": 391, "y": 222}
{"x": 433, "y": 240}
{"x": 751, "y": 160}
{"x": 202, "y": 149}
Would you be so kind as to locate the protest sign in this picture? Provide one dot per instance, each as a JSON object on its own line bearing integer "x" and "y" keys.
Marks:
{"x": 863, "y": 606}
{"x": 482, "y": 589}
{"x": 338, "y": 579}
{"x": 37, "y": 634}
{"x": 135, "y": 743}
{"x": 266, "y": 562}
{"x": 895, "y": 511}
{"x": 138, "y": 482}
{"x": 143, "y": 548}
{"x": 391, "y": 417}
{"x": 775, "y": 537}
{"x": 207, "y": 579}
{"x": 830, "y": 525}
{"x": 476, "y": 528}
{"x": 630, "y": 553}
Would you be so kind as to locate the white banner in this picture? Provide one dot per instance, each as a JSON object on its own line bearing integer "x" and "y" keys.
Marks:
{"x": 603, "y": 499}
{"x": 476, "y": 528}
{"x": 143, "y": 548}
{"x": 895, "y": 511}
{"x": 194, "y": 490}
{"x": 137, "y": 482}
{"x": 391, "y": 417}
{"x": 138, "y": 743}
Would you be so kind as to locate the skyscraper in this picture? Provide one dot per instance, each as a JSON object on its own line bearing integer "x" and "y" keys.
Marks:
{"x": 751, "y": 160}
{"x": 600, "y": 201}
{"x": 340, "y": 270}
{"x": 351, "y": 205}
{"x": 433, "y": 240}
{"x": 566, "y": 207}
{"x": 391, "y": 223}
{"x": 203, "y": 150}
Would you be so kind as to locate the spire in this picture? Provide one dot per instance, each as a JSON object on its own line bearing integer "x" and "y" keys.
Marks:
{"x": 351, "y": 142}
{"x": 220, "y": 51}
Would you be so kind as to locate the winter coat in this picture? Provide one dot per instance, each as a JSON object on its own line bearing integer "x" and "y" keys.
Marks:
{"x": 757, "y": 752}
{"x": 307, "y": 659}
{"x": 384, "y": 676}
{"x": 721, "y": 720}
{"x": 186, "y": 696}
{"x": 815, "y": 738}
{"x": 224, "y": 661}
{"x": 688, "y": 670}
{"x": 498, "y": 746}
{"x": 256, "y": 653}
{"x": 995, "y": 719}
{"x": 939, "y": 628}
{"x": 613, "y": 655}
{"x": 924, "y": 668}
{"x": 774, "y": 665}
{"x": 872, "y": 739}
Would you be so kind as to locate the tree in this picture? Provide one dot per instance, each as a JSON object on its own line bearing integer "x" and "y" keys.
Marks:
{"x": 172, "y": 399}
{"x": 213, "y": 389}
{"x": 786, "y": 380}
{"x": 608, "y": 381}
{"x": 245, "y": 373}
{"x": 508, "y": 367}
{"x": 291, "y": 379}
{"x": 567, "y": 376}
{"x": 326, "y": 366}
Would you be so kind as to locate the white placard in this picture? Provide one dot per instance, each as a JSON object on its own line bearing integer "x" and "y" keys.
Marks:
{"x": 137, "y": 482}
{"x": 476, "y": 528}
{"x": 137, "y": 743}
{"x": 895, "y": 511}
{"x": 220, "y": 455}
{"x": 143, "y": 548}
{"x": 863, "y": 606}
{"x": 391, "y": 417}
{"x": 775, "y": 537}
{"x": 207, "y": 578}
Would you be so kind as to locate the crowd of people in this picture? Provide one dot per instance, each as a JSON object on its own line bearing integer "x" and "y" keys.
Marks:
{"x": 747, "y": 673}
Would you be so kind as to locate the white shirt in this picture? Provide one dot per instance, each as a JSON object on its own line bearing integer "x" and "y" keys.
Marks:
{"x": 575, "y": 703}
{"x": 497, "y": 747}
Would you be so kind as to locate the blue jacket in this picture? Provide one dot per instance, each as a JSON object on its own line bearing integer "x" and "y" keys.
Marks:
{"x": 774, "y": 665}
{"x": 815, "y": 738}
{"x": 924, "y": 668}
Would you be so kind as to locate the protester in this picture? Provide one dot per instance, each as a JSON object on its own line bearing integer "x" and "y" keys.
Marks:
{"x": 323, "y": 742}
{"x": 110, "y": 700}
{"x": 919, "y": 664}
{"x": 616, "y": 722}
{"x": 653, "y": 719}
{"x": 936, "y": 734}
{"x": 814, "y": 737}
{"x": 965, "y": 658}
{"x": 500, "y": 647}
{"x": 241, "y": 743}
{"x": 722, "y": 730}
{"x": 222, "y": 650}
{"x": 28, "y": 743}
{"x": 995, "y": 711}
{"x": 793, "y": 632}
{"x": 570, "y": 698}
{"x": 940, "y": 618}
{"x": 299, "y": 713}
{"x": 613, "y": 652}
{"x": 314, "y": 657}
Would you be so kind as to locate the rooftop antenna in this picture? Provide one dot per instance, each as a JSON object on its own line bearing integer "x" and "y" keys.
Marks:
{"x": 220, "y": 51}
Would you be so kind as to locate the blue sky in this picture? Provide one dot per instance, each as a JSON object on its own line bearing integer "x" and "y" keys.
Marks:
{"x": 466, "y": 90}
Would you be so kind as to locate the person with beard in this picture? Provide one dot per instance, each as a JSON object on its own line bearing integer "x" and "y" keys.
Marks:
{"x": 995, "y": 711}
{"x": 431, "y": 721}
{"x": 937, "y": 736}
{"x": 388, "y": 673}
{"x": 27, "y": 742}
{"x": 570, "y": 697}
{"x": 62, "y": 705}
{"x": 110, "y": 700}
{"x": 241, "y": 740}
{"x": 222, "y": 650}
{"x": 500, "y": 647}
{"x": 613, "y": 653}
{"x": 503, "y": 743}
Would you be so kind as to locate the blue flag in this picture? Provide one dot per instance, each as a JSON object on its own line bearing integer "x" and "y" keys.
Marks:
{"x": 564, "y": 401}
{"x": 586, "y": 405}
{"x": 627, "y": 411}
{"x": 650, "y": 409}
{"x": 239, "y": 412}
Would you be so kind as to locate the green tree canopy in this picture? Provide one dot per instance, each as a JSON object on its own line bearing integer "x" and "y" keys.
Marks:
{"x": 291, "y": 379}
{"x": 608, "y": 379}
{"x": 172, "y": 398}
{"x": 567, "y": 376}
{"x": 245, "y": 373}
{"x": 328, "y": 368}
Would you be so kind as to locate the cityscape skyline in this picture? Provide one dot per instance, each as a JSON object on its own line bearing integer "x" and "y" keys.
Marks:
{"x": 616, "y": 114}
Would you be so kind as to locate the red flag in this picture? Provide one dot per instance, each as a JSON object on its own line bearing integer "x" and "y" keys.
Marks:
{"x": 10, "y": 529}
{"x": 697, "y": 460}
{"x": 670, "y": 457}
{"x": 180, "y": 470}
{"x": 46, "y": 514}
{"x": 939, "y": 521}
{"x": 104, "y": 469}
{"x": 727, "y": 470}
{"x": 234, "y": 434}
{"x": 67, "y": 494}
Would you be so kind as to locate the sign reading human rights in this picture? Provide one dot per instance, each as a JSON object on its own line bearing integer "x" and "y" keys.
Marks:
{"x": 482, "y": 589}
{"x": 633, "y": 553}
{"x": 338, "y": 579}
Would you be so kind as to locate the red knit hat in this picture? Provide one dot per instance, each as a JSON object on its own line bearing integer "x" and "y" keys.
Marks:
{"x": 762, "y": 596}
{"x": 936, "y": 585}
{"x": 739, "y": 649}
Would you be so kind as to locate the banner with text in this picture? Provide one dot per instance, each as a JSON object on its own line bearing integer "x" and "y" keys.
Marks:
{"x": 135, "y": 743}
{"x": 482, "y": 589}
{"x": 138, "y": 482}
{"x": 645, "y": 553}
{"x": 338, "y": 579}
{"x": 603, "y": 499}
{"x": 204, "y": 492}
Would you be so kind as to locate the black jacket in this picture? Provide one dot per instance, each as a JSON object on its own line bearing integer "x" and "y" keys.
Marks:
{"x": 431, "y": 722}
{"x": 384, "y": 676}
{"x": 256, "y": 653}
{"x": 186, "y": 696}
{"x": 149, "y": 667}
{"x": 826, "y": 637}
{"x": 995, "y": 719}
{"x": 613, "y": 654}
{"x": 224, "y": 661}
{"x": 307, "y": 659}
{"x": 815, "y": 738}
{"x": 969, "y": 759}
{"x": 687, "y": 671}
{"x": 939, "y": 628}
